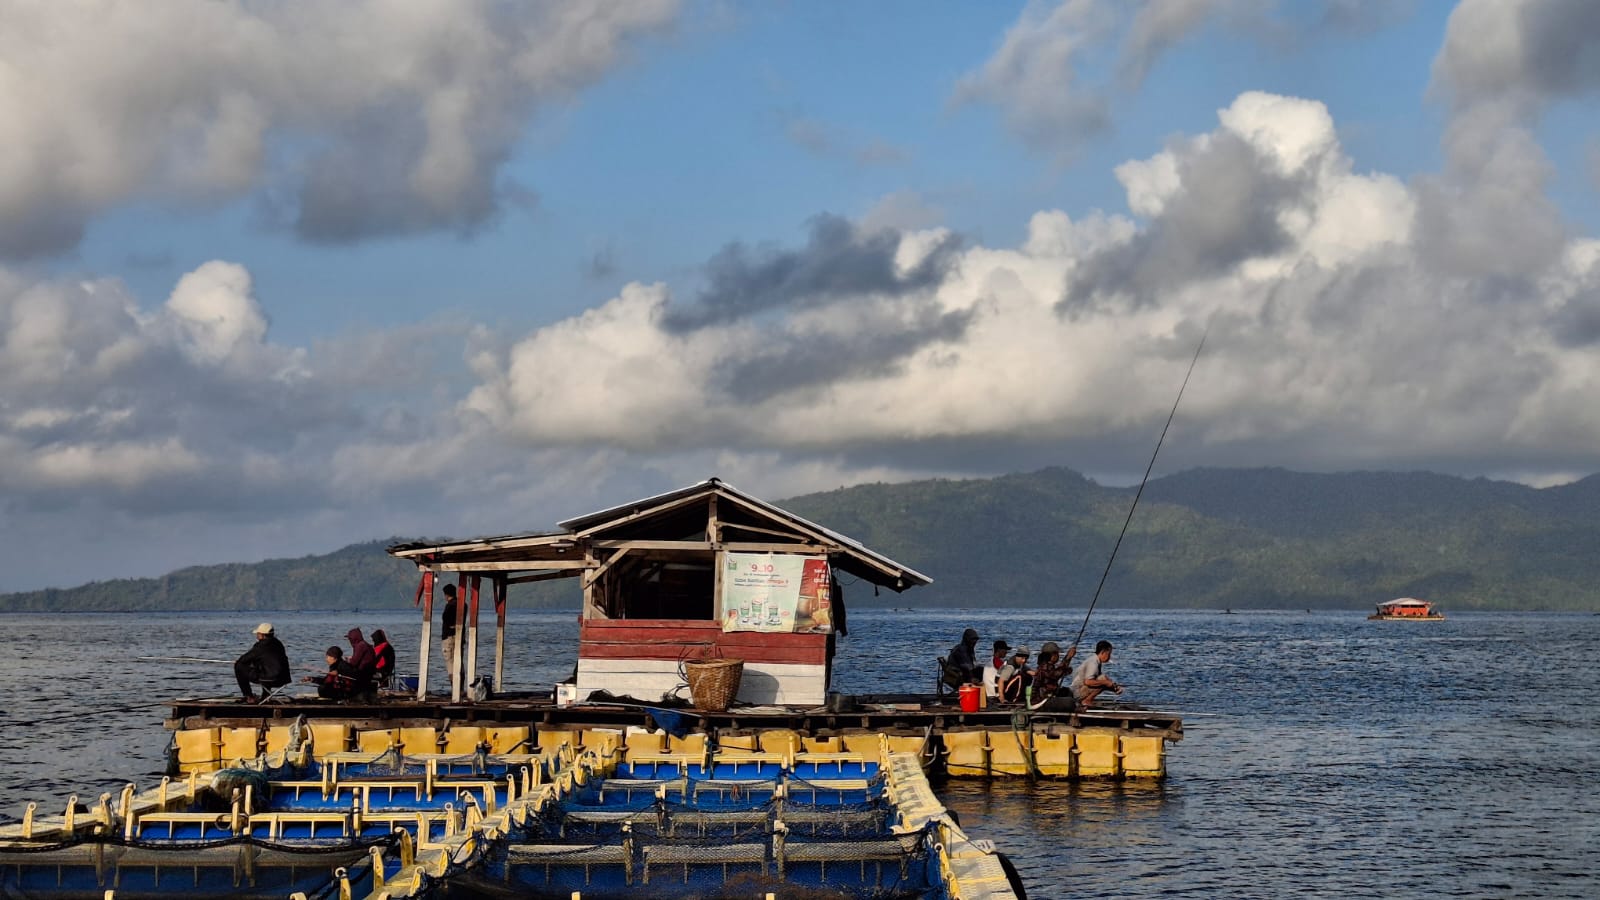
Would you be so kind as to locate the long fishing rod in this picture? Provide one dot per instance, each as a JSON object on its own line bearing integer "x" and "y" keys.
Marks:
{"x": 197, "y": 659}
{"x": 1139, "y": 493}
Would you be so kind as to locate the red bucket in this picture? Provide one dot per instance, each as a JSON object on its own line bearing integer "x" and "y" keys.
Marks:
{"x": 971, "y": 698}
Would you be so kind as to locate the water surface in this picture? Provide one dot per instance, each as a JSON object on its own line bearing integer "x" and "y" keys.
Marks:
{"x": 1325, "y": 754}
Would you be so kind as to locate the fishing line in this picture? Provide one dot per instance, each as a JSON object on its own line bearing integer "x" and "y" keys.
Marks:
{"x": 92, "y": 712}
{"x": 1137, "y": 494}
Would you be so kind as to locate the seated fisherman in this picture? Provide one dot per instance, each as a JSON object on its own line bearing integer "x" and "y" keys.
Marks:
{"x": 343, "y": 680}
{"x": 265, "y": 663}
{"x": 961, "y": 666}
{"x": 1052, "y": 668}
{"x": 1091, "y": 679}
{"x": 1015, "y": 677}
{"x": 383, "y": 672}
{"x": 1002, "y": 652}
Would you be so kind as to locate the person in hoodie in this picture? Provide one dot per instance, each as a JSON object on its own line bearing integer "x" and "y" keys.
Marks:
{"x": 362, "y": 659}
{"x": 265, "y": 663}
{"x": 383, "y": 671}
{"x": 343, "y": 680}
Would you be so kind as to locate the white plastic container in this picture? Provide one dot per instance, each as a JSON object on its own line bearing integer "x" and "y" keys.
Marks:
{"x": 566, "y": 694}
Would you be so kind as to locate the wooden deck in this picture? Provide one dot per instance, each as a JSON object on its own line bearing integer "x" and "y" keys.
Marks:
{"x": 893, "y": 714}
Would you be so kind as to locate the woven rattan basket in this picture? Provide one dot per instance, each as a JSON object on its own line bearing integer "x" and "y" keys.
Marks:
{"x": 713, "y": 683}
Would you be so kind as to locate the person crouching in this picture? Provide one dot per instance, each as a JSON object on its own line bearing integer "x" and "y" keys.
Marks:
{"x": 1015, "y": 677}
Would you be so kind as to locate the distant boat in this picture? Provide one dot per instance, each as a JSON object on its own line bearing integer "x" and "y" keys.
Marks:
{"x": 1407, "y": 609}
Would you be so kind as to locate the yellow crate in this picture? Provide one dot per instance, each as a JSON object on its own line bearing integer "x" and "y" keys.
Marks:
{"x": 198, "y": 745}
{"x": 377, "y": 740}
{"x": 509, "y": 739}
{"x": 641, "y": 741}
{"x": 1052, "y": 753}
{"x": 689, "y": 744}
{"x": 329, "y": 737}
{"x": 739, "y": 740}
{"x": 277, "y": 738}
{"x": 460, "y": 740}
{"x": 240, "y": 744}
{"x": 1009, "y": 752}
{"x": 1098, "y": 753}
{"x": 1144, "y": 756}
{"x": 779, "y": 740}
{"x": 414, "y": 741}
{"x": 603, "y": 741}
{"x": 551, "y": 738}
{"x": 830, "y": 745}
{"x": 967, "y": 753}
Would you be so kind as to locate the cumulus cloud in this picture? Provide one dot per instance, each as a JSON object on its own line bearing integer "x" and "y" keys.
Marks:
{"x": 1336, "y": 342}
{"x": 1521, "y": 52}
{"x": 1503, "y": 62}
{"x": 348, "y": 120}
{"x": 1036, "y": 76}
{"x": 1063, "y": 65}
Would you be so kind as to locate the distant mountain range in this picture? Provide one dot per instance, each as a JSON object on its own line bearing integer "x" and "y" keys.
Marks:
{"x": 1204, "y": 538}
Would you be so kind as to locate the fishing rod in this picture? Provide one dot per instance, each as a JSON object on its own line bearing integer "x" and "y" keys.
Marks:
{"x": 197, "y": 659}
{"x": 1139, "y": 493}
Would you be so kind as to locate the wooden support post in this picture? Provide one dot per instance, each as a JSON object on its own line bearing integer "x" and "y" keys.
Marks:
{"x": 425, "y": 595}
{"x": 499, "y": 633}
{"x": 472, "y": 633}
{"x": 461, "y": 615}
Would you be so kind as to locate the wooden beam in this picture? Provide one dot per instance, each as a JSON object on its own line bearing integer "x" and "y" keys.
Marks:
{"x": 643, "y": 513}
{"x": 544, "y": 576}
{"x": 735, "y": 526}
{"x": 751, "y": 547}
{"x": 650, "y": 545}
{"x": 516, "y": 566}
{"x": 593, "y": 576}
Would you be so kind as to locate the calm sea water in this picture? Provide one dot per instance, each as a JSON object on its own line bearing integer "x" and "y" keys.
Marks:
{"x": 1325, "y": 755}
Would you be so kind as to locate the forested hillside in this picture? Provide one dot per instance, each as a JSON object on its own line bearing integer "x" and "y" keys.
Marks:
{"x": 1210, "y": 538}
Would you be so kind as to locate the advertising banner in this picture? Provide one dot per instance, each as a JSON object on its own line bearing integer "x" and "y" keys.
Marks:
{"x": 775, "y": 592}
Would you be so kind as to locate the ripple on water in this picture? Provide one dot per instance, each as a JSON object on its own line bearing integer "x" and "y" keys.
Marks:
{"x": 1335, "y": 756}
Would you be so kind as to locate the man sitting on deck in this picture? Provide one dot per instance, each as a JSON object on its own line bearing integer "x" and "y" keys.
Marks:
{"x": 343, "y": 680}
{"x": 961, "y": 666}
{"x": 383, "y": 671}
{"x": 265, "y": 663}
{"x": 1015, "y": 678}
{"x": 1052, "y": 668}
{"x": 1090, "y": 678}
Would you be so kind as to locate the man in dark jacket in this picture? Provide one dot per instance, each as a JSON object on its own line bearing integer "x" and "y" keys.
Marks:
{"x": 265, "y": 664}
{"x": 342, "y": 682}
{"x": 961, "y": 666}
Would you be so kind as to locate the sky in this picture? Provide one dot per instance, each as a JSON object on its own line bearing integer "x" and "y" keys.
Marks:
{"x": 279, "y": 277}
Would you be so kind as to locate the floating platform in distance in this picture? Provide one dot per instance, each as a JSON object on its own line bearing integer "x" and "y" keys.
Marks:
{"x": 1407, "y": 609}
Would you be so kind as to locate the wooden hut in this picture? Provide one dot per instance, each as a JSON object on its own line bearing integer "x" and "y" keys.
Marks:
{"x": 705, "y": 571}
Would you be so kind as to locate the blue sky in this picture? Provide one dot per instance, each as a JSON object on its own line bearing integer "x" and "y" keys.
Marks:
{"x": 279, "y": 277}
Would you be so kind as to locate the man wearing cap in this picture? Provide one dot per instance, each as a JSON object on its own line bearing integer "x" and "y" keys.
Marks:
{"x": 1002, "y": 651}
{"x": 265, "y": 664}
{"x": 1052, "y": 668}
{"x": 961, "y": 666}
{"x": 1015, "y": 677}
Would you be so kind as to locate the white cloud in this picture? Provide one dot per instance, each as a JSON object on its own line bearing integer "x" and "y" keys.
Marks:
{"x": 1335, "y": 342}
{"x": 355, "y": 119}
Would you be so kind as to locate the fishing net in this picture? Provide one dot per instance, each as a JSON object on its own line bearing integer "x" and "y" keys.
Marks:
{"x": 692, "y": 837}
